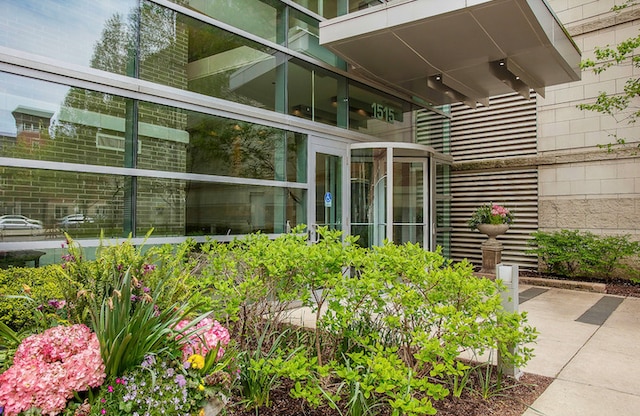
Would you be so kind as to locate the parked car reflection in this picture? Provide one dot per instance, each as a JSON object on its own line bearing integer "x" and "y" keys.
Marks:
{"x": 20, "y": 217}
{"x": 74, "y": 220}
{"x": 19, "y": 226}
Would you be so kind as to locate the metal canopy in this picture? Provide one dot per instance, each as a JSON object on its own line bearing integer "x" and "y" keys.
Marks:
{"x": 448, "y": 51}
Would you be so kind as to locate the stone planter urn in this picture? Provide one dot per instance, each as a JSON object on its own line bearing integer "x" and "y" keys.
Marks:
{"x": 493, "y": 230}
{"x": 492, "y": 248}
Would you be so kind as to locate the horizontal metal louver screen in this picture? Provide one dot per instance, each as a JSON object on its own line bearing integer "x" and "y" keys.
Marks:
{"x": 516, "y": 190}
{"x": 507, "y": 128}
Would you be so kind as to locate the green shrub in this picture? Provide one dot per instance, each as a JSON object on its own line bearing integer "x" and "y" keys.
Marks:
{"x": 245, "y": 280}
{"x": 41, "y": 283}
{"x": 573, "y": 253}
{"x": 391, "y": 321}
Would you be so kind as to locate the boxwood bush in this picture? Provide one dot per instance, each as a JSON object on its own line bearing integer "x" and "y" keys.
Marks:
{"x": 40, "y": 284}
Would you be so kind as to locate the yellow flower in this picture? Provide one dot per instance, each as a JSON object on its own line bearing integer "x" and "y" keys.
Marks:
{"x": 196, "y": 360}
{"x": 200, "y": 387}
{"x": 201, "y": 412}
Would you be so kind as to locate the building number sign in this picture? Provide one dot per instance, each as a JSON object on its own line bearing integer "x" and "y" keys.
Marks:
{"x": 382, "y": 112}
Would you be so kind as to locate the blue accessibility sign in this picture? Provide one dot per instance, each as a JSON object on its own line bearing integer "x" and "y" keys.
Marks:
{"x": 328, "y": 200}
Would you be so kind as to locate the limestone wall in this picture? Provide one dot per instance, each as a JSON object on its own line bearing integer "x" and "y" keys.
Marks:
{"x": 581, "y": 185}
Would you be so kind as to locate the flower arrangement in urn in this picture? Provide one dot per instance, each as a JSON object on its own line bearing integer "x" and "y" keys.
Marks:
{"x": 490, "y": 214}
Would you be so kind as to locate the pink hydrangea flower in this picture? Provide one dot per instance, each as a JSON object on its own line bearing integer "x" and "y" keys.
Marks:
{"x": 49, "y": 367}
{"x": 203, "y": 337}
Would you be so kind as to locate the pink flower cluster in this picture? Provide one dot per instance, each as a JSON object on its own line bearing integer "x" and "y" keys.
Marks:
{"x": 202, "y": 337}
{"x": 499, "y": 210}
{"x": 49, "y": 367}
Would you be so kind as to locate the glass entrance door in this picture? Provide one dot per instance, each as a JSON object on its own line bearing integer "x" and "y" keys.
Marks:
{"x": 330, "y": 199}
{"x": 393, "y": 193}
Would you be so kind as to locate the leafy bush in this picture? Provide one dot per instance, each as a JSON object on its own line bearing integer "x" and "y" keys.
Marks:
{"x": 573, "y": 253}
{"x": 16, "y": 310}
{"x": 165, "y": 269}
{"x": 243, "y": 281}
{"x": 391, "y": 321}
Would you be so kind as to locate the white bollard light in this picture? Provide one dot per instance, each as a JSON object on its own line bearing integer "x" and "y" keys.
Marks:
{"x": 510, "y": 303}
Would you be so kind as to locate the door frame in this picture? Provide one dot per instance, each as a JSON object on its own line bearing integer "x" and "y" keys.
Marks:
{"x": 333, "y": 148}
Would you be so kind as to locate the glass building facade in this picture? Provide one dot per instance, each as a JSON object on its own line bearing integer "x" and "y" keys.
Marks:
{"x": 197, "y": 119}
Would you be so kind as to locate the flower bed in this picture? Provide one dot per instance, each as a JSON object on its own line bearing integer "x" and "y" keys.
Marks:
{"x": 48, "y": 368}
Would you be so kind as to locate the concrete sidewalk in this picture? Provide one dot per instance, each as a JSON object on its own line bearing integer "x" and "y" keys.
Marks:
{"x": 590, "y": 344}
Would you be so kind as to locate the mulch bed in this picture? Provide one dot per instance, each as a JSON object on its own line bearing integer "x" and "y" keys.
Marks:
{"x": 511, "y": 401}
{"x": 623, "y": 288}
{"x": 619, "y": 287}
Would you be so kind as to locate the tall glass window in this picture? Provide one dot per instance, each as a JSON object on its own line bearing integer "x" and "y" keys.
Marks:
{"x": 54, "y": 202}
{"x": 45, "y": 121}
{"x": 186, "y": 53}
{"x": 50, "y": 122}
{"x": 259, "y": 17}
{"x": 304, "y": 36}
{"x": 314, "y": 96}
{"x": 174, "y": 207}
{"x": 443, "y": 207}
{"x": 188, "y": 141}
{"x": 408, "y": 202}
{"x": 368, "y": 195}
{"x": 97, "y": 34}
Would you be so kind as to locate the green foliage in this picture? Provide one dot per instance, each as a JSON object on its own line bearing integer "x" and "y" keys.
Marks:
{"x": 132, "y": 298}
{"x": 391, "y": 321}
{"x": 573, "y": 253}
{"x": 378, "y": 376}
{"x": 18, "y": 313}
{"x": 385, "y": 317}
{"x": 260, "y": 369}
{"x": 9, "y": 341}
{"x": 244, "y": 280}
{"x": 128, "y": 332}
{"x": 490, "y": 214}
{"x": 165, "y": 268}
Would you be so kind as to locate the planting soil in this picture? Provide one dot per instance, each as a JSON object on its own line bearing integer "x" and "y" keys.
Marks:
{"x": 619, "y": 287}
{"x": 512, "y": 400}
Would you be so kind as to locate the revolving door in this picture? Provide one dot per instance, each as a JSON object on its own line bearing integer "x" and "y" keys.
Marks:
{"x": 393, "y": 193}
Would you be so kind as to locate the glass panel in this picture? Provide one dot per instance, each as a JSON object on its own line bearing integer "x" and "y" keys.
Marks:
{"x": 329, "y": 191}
{"x": 160, "y": 205}
{"x": 379, "y": 115}
{"x": 433, "y": 129}
{"x": 325, "y": 8}
{"x": 368, "y": 195}
{"x": 259, "y": 17}
{"x": 333, "y": 8}
{"x": 408, "y": 201}
{"x": 201, "y": 58}
{"x": 50, "y": 202}
{"x": 217, "y": 208}
{"x": 355, "y": 5}
{"x": 96, "y": 34}
{"x": 408, "y": 234}
{"x": 304, "y": 36}
{"x": 314, "y": 94}
{"x": 187, "y": 141}
{"x": 443, "y": 207}
{"x": 46, "y": 121}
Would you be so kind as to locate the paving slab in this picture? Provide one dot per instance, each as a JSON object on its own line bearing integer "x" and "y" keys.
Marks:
{"x": 567, "y": 398}
{"x": 595, "y": 362}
